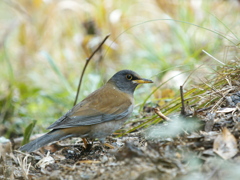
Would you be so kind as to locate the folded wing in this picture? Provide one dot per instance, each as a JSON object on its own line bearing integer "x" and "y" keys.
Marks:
{"x": 100, "y": 106}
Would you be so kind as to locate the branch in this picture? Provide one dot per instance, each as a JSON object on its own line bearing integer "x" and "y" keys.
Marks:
{"x": 160, "y": 114}
{"x": 183, "y": 112}
{"x": 85, "y": 66}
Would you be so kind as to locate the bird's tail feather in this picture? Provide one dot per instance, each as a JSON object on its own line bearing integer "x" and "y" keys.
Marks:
{"x": 54, "y": 135}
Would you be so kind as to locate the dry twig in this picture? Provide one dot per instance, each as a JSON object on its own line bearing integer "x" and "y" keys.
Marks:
{"x": 160, "y": 114}
{"x": 85, "y": 66}
{"x": 183, "y": 112}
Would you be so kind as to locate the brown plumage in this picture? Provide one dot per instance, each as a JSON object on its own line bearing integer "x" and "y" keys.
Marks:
{"x": 98, "y": 115}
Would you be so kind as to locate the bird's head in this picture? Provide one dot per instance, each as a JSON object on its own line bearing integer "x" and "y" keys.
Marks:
{"x": 127, "y": 81}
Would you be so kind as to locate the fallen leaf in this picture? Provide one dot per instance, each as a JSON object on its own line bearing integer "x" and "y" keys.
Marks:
{"x": 225, "y": 145}
{"x": 89, "y": 162}
{"x": 226, "y": 110}
{"x": 45, "y": 161}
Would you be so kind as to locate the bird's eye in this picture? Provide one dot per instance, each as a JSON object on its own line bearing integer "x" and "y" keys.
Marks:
{"x": 129, "y": 77}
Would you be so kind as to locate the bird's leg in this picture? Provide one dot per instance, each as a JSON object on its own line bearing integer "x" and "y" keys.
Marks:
{"x": 85, "y": 142}
{"x": 87, "y": 145}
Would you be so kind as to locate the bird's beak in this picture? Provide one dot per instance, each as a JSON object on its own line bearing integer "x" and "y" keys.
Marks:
{"x": 142, "y": 81}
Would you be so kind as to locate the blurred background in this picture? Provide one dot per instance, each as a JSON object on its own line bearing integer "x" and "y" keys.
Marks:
{"x": 44, "y": 45}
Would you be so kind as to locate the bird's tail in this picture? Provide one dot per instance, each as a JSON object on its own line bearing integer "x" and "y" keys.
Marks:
{"x": 53, "y": 135}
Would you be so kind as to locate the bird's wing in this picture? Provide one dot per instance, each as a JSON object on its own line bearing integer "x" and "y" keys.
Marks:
{"x": 103, "y": 105}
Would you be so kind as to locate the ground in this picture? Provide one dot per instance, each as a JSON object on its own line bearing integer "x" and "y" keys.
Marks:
{"x": 201, "y": 144}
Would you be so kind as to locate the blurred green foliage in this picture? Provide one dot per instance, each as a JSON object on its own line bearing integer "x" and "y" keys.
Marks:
{"x": 28, "y": 132}
{"x": 44, "y": 44}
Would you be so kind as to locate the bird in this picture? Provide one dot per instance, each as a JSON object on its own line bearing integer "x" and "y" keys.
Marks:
{"x": 98, "y": 115}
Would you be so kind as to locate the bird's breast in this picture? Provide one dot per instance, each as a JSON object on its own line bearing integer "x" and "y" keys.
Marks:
{"x": 105, "y": 129}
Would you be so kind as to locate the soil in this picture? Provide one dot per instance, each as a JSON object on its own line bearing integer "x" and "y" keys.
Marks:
{"x": 183, "y": 147}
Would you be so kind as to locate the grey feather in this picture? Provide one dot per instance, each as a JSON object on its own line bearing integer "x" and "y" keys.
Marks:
{"x": 88, "y": 120}
{"x": 42, "y": 141}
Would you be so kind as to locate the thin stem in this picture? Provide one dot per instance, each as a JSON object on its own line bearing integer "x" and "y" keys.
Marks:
{"x": 85, "y": 67}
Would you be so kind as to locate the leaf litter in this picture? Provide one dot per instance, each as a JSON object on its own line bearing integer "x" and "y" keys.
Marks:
{"x": 202, "y": 144}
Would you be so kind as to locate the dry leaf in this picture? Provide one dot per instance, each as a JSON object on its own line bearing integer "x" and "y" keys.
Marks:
{"x": 225, "y": 145}
{"x": 89, "y": 162}
{"x": 45, "y": 161}
{"x": 226, "y": 110}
